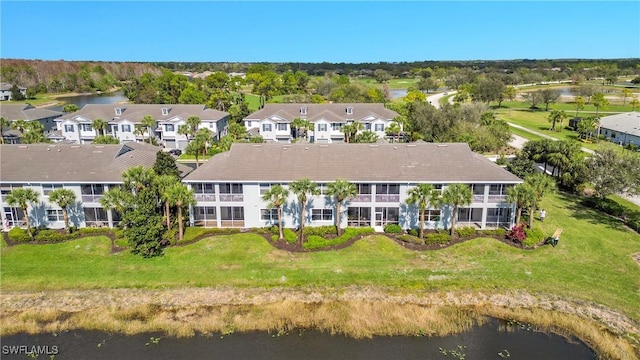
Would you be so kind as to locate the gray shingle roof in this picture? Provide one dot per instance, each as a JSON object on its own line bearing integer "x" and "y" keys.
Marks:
{"x": 625, "y": 122}
{"x": 427, "y": 162}
{"x": 26, "y": 112}
{"x": 136, "y": 112}
{"x": 333, "y": 112}
{"x": 88, "y": 163}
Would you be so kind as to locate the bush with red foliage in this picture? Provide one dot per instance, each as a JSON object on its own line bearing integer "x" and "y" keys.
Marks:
{"x": 517, "y": 233}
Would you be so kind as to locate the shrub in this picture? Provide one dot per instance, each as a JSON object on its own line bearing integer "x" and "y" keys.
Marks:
{"x": 50, "y": 235}
{"x": 317, "y": 242}
{"x": 19, "y": 235}
{"x": 414, "y": 232}
{"x": 171, "y": 236}
{"x": 289, "y": 235}
{"x": 500, "y": 231}
{"x": 438, "y": 238}
{"x": 411, "y": 239}
{"x": 92, "y": 230}
{"x": 392, "y": 229}
{"x": 319, "y": 230}
{"x": 634, "y": 222}
{"x": 534, "y": 237}
{"x": 466, "y": 231}
{"x": 517, "y": 234}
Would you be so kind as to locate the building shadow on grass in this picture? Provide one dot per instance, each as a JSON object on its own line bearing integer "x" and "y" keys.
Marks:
{"x": 581, "y": 212}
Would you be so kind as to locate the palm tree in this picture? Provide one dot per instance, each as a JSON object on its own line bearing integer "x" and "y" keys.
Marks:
{"x": 20, "y": 125}
{"x": 587, "y": 126}
{"x": 204, "y": 136}
{"x": 164, "y": 183}
{"x": 423, "y": 195}
{"x": 276, "y": 197}
{"x": 341, "y": 190}
{"x": 393, "y": 131}
{"x": 148, "y": 122}
{"x": 4, "y": 123}
{"x": 301, "y": 124}
{"x": 456, "y": 195}
{"x": 599, "y": 101}
{"x": 181, "y": 196}
{"x": 190, "y": 128}
{"x": 117, "y": 199}
{"x": 350, "y": 130}
{"x": 634, "y": 103}
{"x": 100, "y": 126}
{"x": 522, "y": 196}
{"x": 22, "y": 197}
{"x": 304, "y": 189}
{"x": 556, "y": 116}
{"x": 579, "y": 104}
{"x": 541, "y": 184}
{"x": 33, "y": 133}
{"x": 63, "y": 198}
{"x": 138, "y": 177}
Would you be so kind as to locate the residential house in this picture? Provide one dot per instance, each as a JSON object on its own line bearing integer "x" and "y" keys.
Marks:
{"x": 88, "y": 170}
{"x": 622, "y": 129}
{"x": 5, "y": 91}
{"x": 229, "y": 187}
{"x": 274, "y": 120}
{"x": 28, "y": 112}
{"x": 122, "y": 120}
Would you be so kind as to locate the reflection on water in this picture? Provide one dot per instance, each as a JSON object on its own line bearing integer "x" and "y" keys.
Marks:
{"x": 82, "y": 100}
{"x": 493, "y": 340}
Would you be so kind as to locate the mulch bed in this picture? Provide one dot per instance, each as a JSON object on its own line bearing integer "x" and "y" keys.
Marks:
{"x": 297, "y": 246}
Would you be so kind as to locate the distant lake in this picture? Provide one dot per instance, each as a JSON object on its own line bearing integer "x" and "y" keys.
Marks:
{"x": 82, "y": 100}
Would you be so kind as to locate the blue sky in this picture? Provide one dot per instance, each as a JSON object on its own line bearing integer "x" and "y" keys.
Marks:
{"x": 332, "y": 31}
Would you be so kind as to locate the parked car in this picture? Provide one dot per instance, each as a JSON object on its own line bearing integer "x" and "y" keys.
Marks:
{"x": 176, "y": 152}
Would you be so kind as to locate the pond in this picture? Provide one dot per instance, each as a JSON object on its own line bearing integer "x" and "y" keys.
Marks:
{"x": 82, "y": 100}
{"x": 493, "y": 340}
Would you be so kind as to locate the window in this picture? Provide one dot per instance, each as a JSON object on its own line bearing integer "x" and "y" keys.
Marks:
{"x": 204, "y": 216}
{"x": 303, "y": 110}
{"x": 169, "y": 127}
{"x": 86, "y": 127}
{"x": 212, "y": 124}
{"x": 282, "y": 126}
{"x": 228, "y": 188}
{"x": 68, "y": 128}
{"x": 322, "y": 214}
{"x": 367, "y": 126}
{"x": 231, "y": 192}
{"x": 379, "y": 127}
{"x": 337, "y": 126}
{"x": 364, "y": 188}
{"x": 322, "y": 127}
{"x": 264, "y": 188}
{"x": 126, "y": 128}
{"x": 269, "y": 214}
{"x": 389, "y": 215}
{"x": 387, "y": 189}
{"x": 350, "y": 110}
{"x": 322, "y": 188}
{"x": 165, "y": 111}
{"x": 359, "y": 216}
{"x": 432, "y": 215}
{"x": 118, "y": 111}
{"x": 95, "y": 216}
{"x": 55, "y": 215}
{"x": 47, "y": 188}
{"x": 232, "y": 216}
{"x": 14, "y": 215}
{"x": 266, "y": 127}
{"x": 91, "y": 192}
{"x": 204, "y": 188}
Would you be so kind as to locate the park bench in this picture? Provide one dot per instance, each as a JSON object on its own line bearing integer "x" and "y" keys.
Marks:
{"x": 553, "y": 240}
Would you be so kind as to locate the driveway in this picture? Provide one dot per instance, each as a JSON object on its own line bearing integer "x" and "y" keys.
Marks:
{"x": 435, "y": 98}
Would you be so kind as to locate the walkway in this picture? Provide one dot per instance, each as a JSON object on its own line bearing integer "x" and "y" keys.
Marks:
{"x": 588, "y": 151}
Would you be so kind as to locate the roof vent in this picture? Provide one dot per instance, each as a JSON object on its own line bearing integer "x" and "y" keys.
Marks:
{"x": 411, "y": 145}
{"x": 442, "y": 145}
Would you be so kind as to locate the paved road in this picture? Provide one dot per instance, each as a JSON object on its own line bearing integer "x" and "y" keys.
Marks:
{"x": 435, "y": 98}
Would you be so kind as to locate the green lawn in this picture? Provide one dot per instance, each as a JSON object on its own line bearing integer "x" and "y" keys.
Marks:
{"x": 594, "y": 253}
{"x": 537, "y": 121}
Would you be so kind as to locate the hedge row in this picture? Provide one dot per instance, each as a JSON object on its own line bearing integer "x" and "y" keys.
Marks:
{"x": 48, "y": 235}
{"x": 317, "y": 242}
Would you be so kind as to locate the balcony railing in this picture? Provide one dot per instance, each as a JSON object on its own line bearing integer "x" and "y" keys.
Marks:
{"x": 388, "y": 198}
{"x": 231, "y": 197}
{"x": 478, "y": 198}
{"x": 91, "y": 198}
{"x": 206, "y": 197}
{"x": 497, "y": 198}
{"x": 362, "y": 198}
{"x": 206, "y": 223}
{"x": 232, "y": 223}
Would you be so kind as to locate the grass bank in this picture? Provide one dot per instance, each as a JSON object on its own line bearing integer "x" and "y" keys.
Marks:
{"x": 359, "y": 313}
